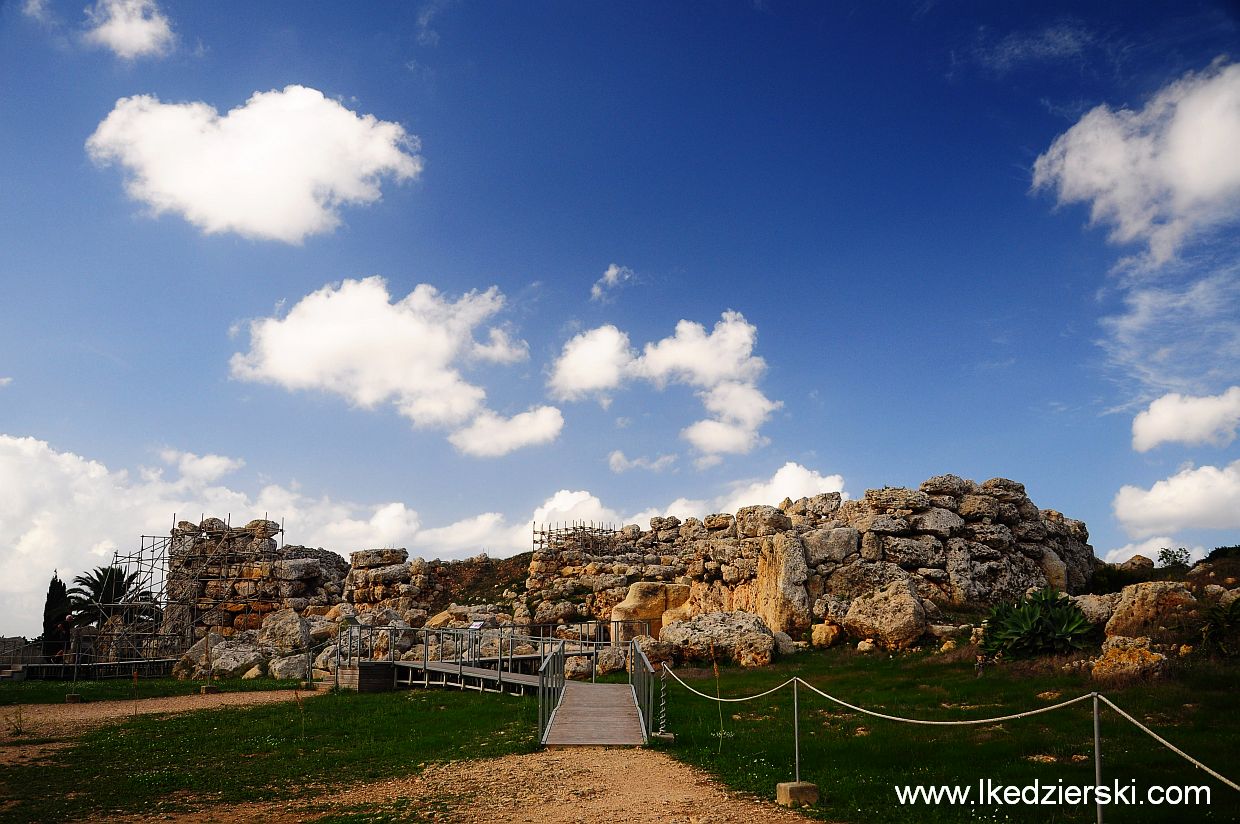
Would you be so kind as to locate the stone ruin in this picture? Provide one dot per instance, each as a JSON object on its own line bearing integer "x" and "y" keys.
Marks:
{"x": 819, "y": 567}
{"x": 952, "y": 543}
{"x": 224, "y": 580}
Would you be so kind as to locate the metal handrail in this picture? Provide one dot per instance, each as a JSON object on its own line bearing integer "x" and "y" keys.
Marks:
{"x": 642, "y": 680}
{"x": 550, "y": 689}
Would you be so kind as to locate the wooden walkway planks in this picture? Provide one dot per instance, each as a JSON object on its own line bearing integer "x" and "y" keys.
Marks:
{"x": 596, "y": 715}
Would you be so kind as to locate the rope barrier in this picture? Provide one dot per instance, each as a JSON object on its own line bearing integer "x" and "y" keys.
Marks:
{"x": 727, "y": 700}
{"x": 1169, "y": 745}
{"x": 1026, "y": 714}
{"x": 972, "y": 722}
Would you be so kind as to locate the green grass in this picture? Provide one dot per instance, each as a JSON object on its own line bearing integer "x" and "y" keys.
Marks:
{"x": 53, "y": 692}
{"x": 856, "y": 760}
{"x": 155, "y": 764}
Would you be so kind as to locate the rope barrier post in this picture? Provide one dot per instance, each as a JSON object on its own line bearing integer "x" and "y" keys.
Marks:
{"x": 1097, "y": 760}
{"x": 796, "y": 793}
{"x": 796, "y": 732}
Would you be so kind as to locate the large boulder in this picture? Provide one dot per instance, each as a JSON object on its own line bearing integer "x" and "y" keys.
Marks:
{"x": 647, "y": 601}
{"x": 369, "y": 558}
{"x": 1097, "y": 609}
{"x": 287, "y": 668}
{"x": 782, "y": 599}
{"x": 285, "y": 631}
{"x": 761, "y": 521}
{"x": 1126, "y": 658}
{"x": 740, "y": 637}
{"x": 893, "y": 615}
{"x": 1163, "y": 610}
{"x": 193, "y": 663}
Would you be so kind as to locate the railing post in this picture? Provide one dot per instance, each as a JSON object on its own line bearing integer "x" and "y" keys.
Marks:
{"x": 796, "y": 731}
{"x": 1097, "y": 760}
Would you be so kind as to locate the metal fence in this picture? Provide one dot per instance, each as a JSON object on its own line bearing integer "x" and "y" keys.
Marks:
{"x": 550, "y": 689}
{"x": 642, "y": 680}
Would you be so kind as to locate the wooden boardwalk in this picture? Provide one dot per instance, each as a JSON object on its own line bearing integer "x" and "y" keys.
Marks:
{"x": 596, "y": 715}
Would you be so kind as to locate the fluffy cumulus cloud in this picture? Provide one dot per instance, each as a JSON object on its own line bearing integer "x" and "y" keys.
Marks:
{"x": 67, "y": 512}
{"x": 592, "y": 363}
{"x": 614, "y": 276}
{"x": 720, "y": 365}
{"x": 129, "y": 28}
{"x": 1160, "y": 174}
{"x": 278, "y": 168}
{"x": 1176, "y": 418}
{"x": 1206, "y": 497}
{"x": 354, "y": 340}
{"x": 492, "y": 435}
{"x": 792, "y": 480}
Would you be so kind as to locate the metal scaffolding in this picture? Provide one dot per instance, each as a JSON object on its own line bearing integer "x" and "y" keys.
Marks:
{"x": 582, "y": 535}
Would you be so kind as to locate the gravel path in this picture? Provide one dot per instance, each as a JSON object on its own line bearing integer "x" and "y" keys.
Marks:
{"x": 558, "y": 787}
{"x": 577, "y": 786}
{"x": 65, "y": 720}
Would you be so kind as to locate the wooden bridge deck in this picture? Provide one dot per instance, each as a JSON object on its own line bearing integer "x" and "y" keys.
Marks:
{"x": 596, "y": 715}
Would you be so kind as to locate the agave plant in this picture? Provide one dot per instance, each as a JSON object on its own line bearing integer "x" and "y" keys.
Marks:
{"x": 1040, "y": 623}
{"x": 1221, "y": 627}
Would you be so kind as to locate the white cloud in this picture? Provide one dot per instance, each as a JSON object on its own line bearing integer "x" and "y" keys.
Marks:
{"x": 1206, "y": 497}
{"x": 1149, "y": 548}
{"x": 591, "y": 363}
{"x": 618, "y": 462}
{"x": 67, "y": 512}
{"x": 277, "y": 168}
{"x": 5, "y": 382}
{"x": 613, "y": 277}
{"x": 1060, "y": 42}
{"x": 739, "y": 410}
{"x": 200, "y": 468}
{"x": 1188, "y": 420}
{"x": 491, "y": 435}
{"x": 720, "y": 364}
{"x": 37, "y": 10}
{"x": 1183, "y": 338}
{"x": 574, "y": 505}
{"x": 488, "y": 531}
{"x": 354, "y": 340}
{"x": 1158, "y": 175}
{"x": 130, "y": 28}
{"x": 790, "y": 481}
{"x": 697, "y": 358}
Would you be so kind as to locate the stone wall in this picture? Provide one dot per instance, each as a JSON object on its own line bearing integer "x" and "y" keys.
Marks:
{"x": 955, "y": 542}
{"x": 225, "y": 579}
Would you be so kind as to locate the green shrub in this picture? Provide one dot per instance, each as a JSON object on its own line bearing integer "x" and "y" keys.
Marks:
{"x": 1221, "y": 629}
{"x": 1173, "y": 558}
{"x": 1037, "y": 624}
{"x": 1221, "y": 552}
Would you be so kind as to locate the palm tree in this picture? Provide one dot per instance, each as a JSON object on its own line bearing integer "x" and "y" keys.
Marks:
{"x": 107, "y": 591}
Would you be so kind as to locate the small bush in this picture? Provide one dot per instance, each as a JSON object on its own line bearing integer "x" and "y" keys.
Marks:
{"x": 1173, "y": 558}
{"x": 1221, "y": 552}
{"x": 1221, "y": 629}
{"x": 1038, "y": 624}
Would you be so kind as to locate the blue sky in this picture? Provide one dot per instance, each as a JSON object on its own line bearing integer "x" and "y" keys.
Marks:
{"x": 831, "y": 246}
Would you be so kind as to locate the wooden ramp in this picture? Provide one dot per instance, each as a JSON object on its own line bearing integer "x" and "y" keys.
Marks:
{"x": 596, "y": 715}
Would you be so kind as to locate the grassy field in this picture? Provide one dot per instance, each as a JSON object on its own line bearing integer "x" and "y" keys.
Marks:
{"x": 857, "y": 760}
{"x": 155, "y": 764}
{"x": 114, "y": 689}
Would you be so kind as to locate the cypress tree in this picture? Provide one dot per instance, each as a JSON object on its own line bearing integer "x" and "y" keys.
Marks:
{"x": 56, "y": 611}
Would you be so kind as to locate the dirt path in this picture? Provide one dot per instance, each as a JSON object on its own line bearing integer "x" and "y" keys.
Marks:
{"x": 67, "y": 720}
{"x": 560, "y": 787}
